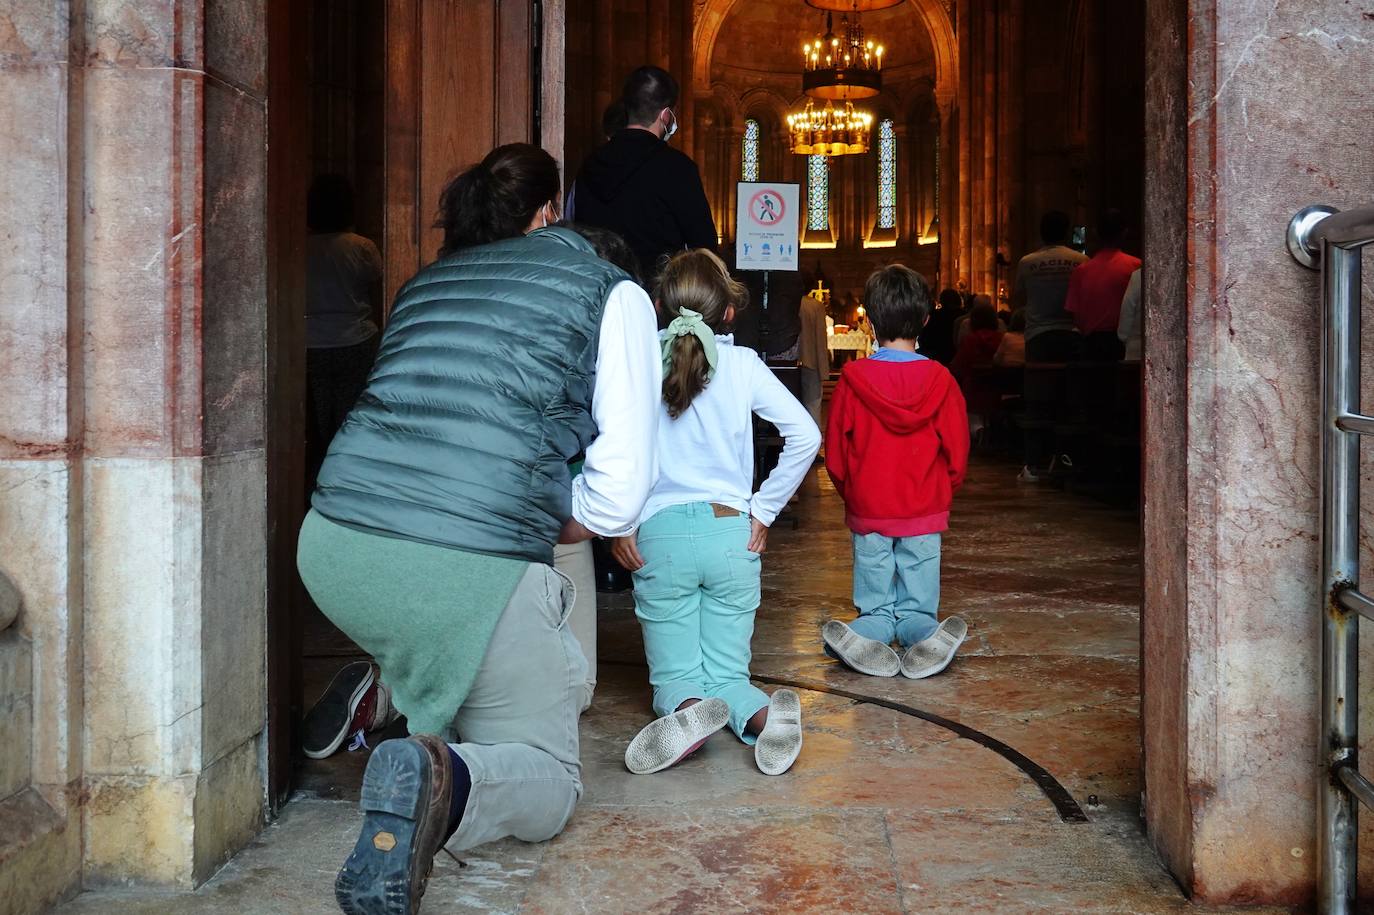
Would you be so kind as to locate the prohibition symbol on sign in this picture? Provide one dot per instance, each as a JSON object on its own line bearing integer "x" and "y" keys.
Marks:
{"x": 767, "y": 207}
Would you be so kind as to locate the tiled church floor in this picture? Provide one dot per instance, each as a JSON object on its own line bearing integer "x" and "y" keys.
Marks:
{"x": 884, "y": 812}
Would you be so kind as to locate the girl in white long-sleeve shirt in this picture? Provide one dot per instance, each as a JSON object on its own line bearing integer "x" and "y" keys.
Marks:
{"x": 696, "y": 554}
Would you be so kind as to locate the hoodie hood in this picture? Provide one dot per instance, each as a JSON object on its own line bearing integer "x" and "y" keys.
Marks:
{"x": 606, "y": 172}
{"x": 908, "y": 395}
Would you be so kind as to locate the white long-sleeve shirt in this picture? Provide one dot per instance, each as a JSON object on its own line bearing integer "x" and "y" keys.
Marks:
{"x": 710, "y": 447}
{"x": 622, "y": 463}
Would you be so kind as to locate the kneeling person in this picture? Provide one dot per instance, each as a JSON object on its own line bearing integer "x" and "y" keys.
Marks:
{"x": 897, "y": 449}
{"x": 696, "y": 555}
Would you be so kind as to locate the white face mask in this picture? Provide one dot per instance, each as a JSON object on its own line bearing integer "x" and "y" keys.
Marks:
{"x": 671, "y": 128}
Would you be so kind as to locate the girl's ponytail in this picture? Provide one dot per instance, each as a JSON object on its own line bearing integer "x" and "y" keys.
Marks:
{"x": 698, "y": 291}
{"x": 686, "y": 374}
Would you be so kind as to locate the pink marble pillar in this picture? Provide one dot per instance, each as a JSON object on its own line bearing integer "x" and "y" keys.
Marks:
{"x": 132, "y": 507}
{"x": 40, "y": 467}
{"x": 1253, "y": 112}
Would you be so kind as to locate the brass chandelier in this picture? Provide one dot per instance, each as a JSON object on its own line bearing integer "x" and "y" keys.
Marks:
{"x": 844, "y": 66}
{"x": 829, "y": 131}
{"x": 837, "y": 69}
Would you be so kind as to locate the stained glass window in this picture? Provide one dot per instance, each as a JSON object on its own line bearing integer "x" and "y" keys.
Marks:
{"x": 817, "y": 193}
{"x": 749, "y": 157}
{"x": 887, "y": 175}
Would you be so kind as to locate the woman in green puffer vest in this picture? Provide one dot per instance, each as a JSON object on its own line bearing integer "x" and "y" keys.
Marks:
{"x": 430, "y": 541}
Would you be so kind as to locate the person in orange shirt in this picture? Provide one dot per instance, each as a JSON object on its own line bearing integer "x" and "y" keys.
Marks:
{"x": 1096, "y": 289}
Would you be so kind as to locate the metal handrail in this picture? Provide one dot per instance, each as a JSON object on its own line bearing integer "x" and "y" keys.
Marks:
{"x": 1319, "y": 237}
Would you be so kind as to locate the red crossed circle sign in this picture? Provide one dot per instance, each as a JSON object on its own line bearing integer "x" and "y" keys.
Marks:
{"x": 767, "y": 207}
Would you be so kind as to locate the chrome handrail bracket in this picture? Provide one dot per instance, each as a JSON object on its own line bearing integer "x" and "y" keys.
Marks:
{"x": 1305, "y": 249}
{"x": 1321, "y": 237}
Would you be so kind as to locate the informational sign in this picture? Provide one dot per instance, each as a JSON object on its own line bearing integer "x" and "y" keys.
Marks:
{"x": 766, "y": 226}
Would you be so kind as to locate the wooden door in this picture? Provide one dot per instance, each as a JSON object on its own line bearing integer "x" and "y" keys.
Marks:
{"x": 462, "y": 76}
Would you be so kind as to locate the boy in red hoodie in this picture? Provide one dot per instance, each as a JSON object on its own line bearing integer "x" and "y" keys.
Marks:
{"x": 896, "y": 449}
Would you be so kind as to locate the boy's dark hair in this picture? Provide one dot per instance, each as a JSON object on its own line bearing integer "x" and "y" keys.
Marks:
{"x": 898, "y": 302}
{"x": 1111, "y": 227}
{"x": 610, "y": 247}
{"x": 982, "y": 317}
{"x": 329, "y": 203}
{"x": 1054, "y": 227}
{"x": 648, "y": 91}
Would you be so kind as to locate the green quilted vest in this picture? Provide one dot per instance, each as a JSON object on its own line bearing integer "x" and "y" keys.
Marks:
{"x": 480, "y": 396}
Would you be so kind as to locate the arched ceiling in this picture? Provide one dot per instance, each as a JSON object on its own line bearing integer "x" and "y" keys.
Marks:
{"x": 758, "y": 43}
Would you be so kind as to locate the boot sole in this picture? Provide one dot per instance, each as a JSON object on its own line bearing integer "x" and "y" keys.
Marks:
{"x": 379, "y": 877}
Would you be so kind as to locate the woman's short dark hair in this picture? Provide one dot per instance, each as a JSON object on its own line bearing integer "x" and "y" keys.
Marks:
{"x": 982, "y": 317}
{"x": 329, "y": 203}
{"x": 648, "y": 91}
{"x": 951, "y": 300}
{"x": 498, "y": 197}
{"x": 898, "y": 302}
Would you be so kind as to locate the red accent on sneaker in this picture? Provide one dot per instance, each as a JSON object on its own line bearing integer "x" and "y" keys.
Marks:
{"x": 362, "y": 717}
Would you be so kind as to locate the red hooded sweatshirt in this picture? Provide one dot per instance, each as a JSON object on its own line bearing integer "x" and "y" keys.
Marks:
{"x": 897, "y": 446}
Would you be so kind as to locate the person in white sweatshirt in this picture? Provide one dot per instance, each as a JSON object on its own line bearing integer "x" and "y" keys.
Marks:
{"x": 696, "y": 554}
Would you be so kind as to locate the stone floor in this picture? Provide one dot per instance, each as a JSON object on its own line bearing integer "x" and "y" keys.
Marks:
{"x": 885, "y": 811}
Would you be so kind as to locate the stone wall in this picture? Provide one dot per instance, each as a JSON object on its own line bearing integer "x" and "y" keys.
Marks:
{"x": 1255, "y": 112}
{"x": 131, "y": 462}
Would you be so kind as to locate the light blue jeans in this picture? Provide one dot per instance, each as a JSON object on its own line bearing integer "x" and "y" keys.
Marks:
{"x": 896, "y": 587}
{"x": 695, "y": 599}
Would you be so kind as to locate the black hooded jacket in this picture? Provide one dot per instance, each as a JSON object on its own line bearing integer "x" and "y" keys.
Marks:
{"x": 649, "y": 192}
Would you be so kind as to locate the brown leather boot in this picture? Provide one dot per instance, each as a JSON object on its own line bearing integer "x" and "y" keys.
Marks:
{"x": 405, "y": 802}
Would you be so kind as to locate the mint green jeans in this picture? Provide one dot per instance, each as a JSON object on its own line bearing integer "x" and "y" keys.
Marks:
{"x": 695, "y": 598}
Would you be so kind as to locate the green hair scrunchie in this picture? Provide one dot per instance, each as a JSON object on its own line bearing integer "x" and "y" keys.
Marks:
{"x": 689, "y": 323}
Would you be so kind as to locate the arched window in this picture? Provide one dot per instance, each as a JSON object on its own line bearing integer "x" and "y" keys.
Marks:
{"x": 817, "y": 194}
{"x": 749, "y": 155}
{"x": 887, "y": 175}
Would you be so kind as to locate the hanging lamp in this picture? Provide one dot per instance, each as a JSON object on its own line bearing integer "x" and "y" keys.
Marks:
{"x": 846, "y": 65}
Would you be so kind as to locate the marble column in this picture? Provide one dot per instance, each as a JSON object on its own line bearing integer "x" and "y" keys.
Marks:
{"x": 40, "y": 467}
{"x": 1009, "y": 239}
{"x": 1252, "y": 113}
{"x": 133, "y": 512}
{"x": 961, "y": 175}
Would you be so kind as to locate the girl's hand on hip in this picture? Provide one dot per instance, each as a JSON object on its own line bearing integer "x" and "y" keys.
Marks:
{"x": 626, "y": 552}
{"x": 758, "y": 535}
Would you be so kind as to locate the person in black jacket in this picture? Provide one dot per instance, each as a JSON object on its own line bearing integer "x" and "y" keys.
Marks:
{"x": 639, "y": 186}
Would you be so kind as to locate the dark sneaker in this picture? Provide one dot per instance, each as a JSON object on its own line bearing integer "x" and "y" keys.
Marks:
{"x": 405, "y": 802}
{"x": 330, "y": 720}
